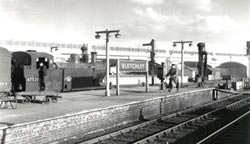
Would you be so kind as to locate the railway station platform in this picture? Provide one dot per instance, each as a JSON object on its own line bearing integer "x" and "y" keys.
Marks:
{"x": 80, "y": 101}
{"x": 83, "y": 112}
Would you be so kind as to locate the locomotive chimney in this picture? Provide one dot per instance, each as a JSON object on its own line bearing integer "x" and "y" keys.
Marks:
{"x": 74, "y": 58}
{"x": 93, "y": 57}
{"x": 85, "y": 55}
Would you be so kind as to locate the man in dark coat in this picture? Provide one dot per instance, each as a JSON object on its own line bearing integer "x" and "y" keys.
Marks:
{"x": 42, "y": 73}
{"x": 173, "y": 77}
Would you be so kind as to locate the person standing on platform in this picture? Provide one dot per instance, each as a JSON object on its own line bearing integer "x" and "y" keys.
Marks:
{"x": 42, "y": 73}
{"x": 173, "y": 78}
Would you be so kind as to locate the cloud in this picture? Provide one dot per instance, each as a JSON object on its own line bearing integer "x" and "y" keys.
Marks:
{"x": 197, "y": 5}
{"x": 138, "y": 20}
{"x": 17, "y": 8}
{"x": 151, "y": 14}
{"x": 216, "y": 24}
{"x": 153, "y": 22}
{"x": 147, "y": 2}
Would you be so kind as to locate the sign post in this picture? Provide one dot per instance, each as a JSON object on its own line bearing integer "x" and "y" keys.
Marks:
{"x": 118, "y": 77}
{"x": 147, "y": 85}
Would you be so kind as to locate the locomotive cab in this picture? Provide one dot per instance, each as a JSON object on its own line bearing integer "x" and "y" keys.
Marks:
{"x": 27, "y": 72}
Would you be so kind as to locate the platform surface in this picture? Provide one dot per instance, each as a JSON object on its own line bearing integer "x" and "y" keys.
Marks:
{"x": 79, "y": 101}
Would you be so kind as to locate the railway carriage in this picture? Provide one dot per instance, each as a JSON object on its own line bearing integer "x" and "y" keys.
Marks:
{"x": 5, "y": 79}
{"x": 5, "y": 70}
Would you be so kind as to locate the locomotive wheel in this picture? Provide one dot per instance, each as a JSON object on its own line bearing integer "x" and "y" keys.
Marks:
{"x": 32, "y": 99}
{"x": 27, "y": 99}
{"x": 54, "y": 99}
{"x": 46, "y": 100}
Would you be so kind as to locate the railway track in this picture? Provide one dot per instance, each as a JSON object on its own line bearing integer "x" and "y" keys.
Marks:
{"x": 188, "y": 126}
{"x": 235, "y": 132}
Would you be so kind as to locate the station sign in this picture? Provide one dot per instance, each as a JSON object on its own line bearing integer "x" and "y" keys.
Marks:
{"x": 133, "y": 66}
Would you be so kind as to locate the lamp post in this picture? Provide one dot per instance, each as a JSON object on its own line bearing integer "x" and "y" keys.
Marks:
{"x": 107, "y": 34}
{"x": 182, "y": 53}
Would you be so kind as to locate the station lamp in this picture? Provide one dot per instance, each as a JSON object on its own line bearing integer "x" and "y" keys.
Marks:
{"x": 117, "y": 35}
{"x": 174, "y": 45}
{"x": 97, "y": 36}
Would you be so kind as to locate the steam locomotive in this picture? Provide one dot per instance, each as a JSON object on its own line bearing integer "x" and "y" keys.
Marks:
{"x": 19, "y": 72}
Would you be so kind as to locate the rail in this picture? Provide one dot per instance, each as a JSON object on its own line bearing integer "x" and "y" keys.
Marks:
{"x": 216, "y": 133}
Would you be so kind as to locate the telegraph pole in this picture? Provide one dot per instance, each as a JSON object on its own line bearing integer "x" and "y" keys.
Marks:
{"x": 152, "y": 58}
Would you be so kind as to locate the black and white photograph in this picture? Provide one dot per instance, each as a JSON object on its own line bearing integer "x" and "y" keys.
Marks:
{"x": 124, "y": 72}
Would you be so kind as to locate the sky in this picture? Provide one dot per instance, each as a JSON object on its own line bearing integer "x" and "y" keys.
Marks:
{"x": 224, "y": 25}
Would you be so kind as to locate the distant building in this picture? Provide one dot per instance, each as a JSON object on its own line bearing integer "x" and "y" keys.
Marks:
{"x": 234, "y": 69}
{"x": 190, "y": 72}
{"x": 168, "y": 55}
